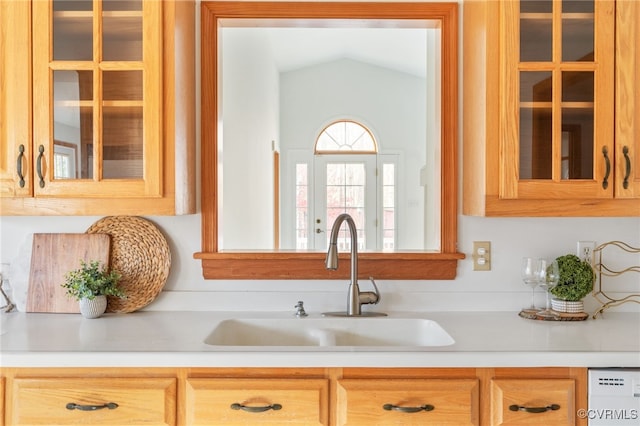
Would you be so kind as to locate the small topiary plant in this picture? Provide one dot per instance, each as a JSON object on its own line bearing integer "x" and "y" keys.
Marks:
{"x": 92, "y": 280}
{"x": 576, "y": 278}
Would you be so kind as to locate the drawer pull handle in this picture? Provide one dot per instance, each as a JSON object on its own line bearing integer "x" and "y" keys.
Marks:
{"x": 391, "y": 407}
{"x": 607, "y": 162}
{"x": 74, "y": 406}
{"x": 236, "y": 406}
{"x": 551, "y": 407}
{"x": 39, "y": 165}
{"x": 19, "y": 165}
{"x": 627, "y": 167}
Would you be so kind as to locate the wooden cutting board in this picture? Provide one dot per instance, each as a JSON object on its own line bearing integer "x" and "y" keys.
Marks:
{"x": 52, "y": 256}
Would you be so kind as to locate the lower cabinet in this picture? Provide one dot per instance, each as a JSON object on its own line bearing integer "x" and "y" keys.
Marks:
{"x": 533, "y": 402}
{"x": 293, "y": 396}
{"x": 407, "y": 402}
{"x": 257, "y": 401}
{"x": 92, "y": 401}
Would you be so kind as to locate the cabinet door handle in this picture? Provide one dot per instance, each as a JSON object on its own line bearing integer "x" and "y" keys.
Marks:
{"x": 551, "y": 407}
{"x": 236, "y": 406}
{"x": 74, "y": 406}
{"x": 39, "y": 165}
{"x": 19, "y": 165}
{"x": 607, "y": 162}
{"x": 392, "y": 407}
{"x": 627, "y": 167}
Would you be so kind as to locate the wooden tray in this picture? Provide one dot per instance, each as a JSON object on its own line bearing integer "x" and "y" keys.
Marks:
{"x": 563, "y": 316}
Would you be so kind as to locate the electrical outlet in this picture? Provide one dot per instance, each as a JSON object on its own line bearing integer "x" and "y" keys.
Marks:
{"x": 585, "y": 251}
{"x": 481, "y": 255}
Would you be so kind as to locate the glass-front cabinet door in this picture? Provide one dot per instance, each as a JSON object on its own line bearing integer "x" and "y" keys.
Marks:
{"x": 558, "y": 86}
{"x": 97, "y": 98}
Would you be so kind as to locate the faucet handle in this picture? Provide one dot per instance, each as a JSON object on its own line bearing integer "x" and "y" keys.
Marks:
{"x": 375, "y": 287}
{"x": 370, "y": 297}
{"x": 300, "y": 309}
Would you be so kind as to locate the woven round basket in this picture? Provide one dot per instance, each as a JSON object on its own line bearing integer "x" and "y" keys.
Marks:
{"x": 140, "y": 253}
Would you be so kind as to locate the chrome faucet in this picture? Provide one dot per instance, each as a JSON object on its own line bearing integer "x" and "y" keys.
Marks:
{"x": 355, "y": 298}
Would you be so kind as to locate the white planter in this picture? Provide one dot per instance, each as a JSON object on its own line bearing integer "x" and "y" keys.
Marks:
{"x": 567, "y": 306}
{"x": 93, "y": 308}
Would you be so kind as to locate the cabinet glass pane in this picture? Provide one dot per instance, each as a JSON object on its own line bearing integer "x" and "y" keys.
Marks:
{"x": 121, "y": 5}
{"x": 72, "y": 124}
{"x": 577, "y": 125}
{"x": 122, "y": 150}
{"x": 535, "y": 143}
{"x": 72, "y": 30}
{"x": 122, "y": 30}
{"x": 535, "y": 86}
{"x": 122, "y": 85}
{"x": 577, "y": 86}
{"x": 577, "y": 30}
{"x": 535, "y": 125}
{"x": 536, "y": 30}
{"x": 122, "y": 124}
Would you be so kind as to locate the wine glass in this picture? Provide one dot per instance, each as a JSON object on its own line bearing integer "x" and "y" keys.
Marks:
{"x": 531, "y": 275}
{"x": 549, "y": 277}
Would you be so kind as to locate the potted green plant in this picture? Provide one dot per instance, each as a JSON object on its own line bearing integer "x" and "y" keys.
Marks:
{"x": 576, "y": 281}
{"x": 90, "y": 285}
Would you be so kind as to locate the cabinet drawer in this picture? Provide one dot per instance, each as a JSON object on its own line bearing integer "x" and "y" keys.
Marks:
{"x": 398, "y": 401}
{"x": 533, "y": 402}
{"x": 67, "y": 401}
{"x": 239, "y": 402}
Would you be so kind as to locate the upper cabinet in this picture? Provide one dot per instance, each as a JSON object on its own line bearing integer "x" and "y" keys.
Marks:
{"x": 99, "y": 107}
{"x": 551, "y": 118}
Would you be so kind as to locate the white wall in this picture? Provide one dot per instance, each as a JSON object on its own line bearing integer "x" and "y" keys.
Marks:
{"x": 499, "y": 289}
{"x": 250, "y": 115}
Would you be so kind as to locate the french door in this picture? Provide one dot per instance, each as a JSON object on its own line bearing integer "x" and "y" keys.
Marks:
{"x": 345, "y": 184}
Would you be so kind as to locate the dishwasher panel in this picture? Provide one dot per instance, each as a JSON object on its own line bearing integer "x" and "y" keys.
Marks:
{"x": 614, "y": 397}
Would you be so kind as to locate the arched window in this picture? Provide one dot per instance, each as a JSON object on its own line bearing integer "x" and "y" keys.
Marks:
{"x": 344, "y": 137}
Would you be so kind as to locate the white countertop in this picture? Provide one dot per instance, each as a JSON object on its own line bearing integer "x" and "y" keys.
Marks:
{"x": 176, "y": 339}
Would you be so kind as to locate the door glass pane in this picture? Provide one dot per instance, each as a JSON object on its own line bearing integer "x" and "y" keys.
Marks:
{"x": 345, "y": 194}
{"x": 72, "y": 124}
{"x": 72, "y": 30}
{"x": 577, "y": 30}
{"x": 388, "y": 206}
{"x": 122, "y": 128}
{"x": 302, "y": 206}
{"x": 122, "y": 30}
{"x": 577, "y": 124}
{"x": 536, "y": 30}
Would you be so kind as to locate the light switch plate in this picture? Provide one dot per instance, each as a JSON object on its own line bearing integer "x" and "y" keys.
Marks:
{"x": 481, "y": 255}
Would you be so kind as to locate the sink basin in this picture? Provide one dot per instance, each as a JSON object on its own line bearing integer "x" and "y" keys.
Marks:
{"x": 329, "y": 332}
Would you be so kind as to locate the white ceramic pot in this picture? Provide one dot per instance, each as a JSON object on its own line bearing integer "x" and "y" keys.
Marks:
{"x": 567, "y": 306}
{"x": 93, "y": 308}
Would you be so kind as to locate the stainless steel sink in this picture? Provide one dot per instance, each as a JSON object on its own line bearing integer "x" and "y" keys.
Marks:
{"x": 361, "y": 332}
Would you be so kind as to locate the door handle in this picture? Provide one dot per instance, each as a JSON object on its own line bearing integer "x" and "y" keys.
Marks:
{"x": 19, "y": 165}
{"x": 39, "y": 165}
{"x": 627, "y": 168}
